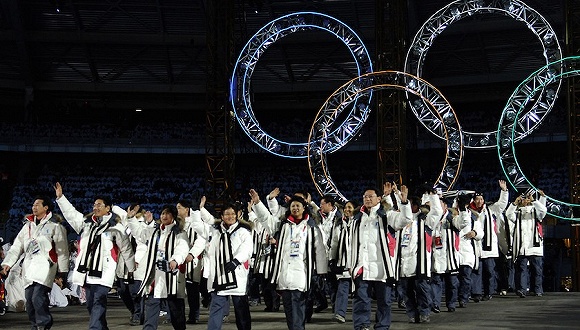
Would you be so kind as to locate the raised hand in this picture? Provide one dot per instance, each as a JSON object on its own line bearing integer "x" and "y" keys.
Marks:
{"x": 274, "y": 193}
{"x": 387, "y": 188}
{"x": 502, "y": 185}
{"x": 148, "y": 217}
{"x": 58, "y": 190}
{"x": 403, "y": 193}
{"x": 132, "y": 212}
{"x": 202, "y": 202}
{"x": 254, "y": 197}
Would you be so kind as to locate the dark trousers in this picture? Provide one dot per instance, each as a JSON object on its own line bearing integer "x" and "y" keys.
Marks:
{"x": 294, "y": 308}
{"x": 176, "y": 312}
{"x": 361, "y": 307}
{"x": 255, "y": 280}
{"x": 97, "y": 306}
{"x": 219, "y": 308}
{"x": 489, "y": 275}
{"x": 37, "y": 305}
{"x": 342, "y": 293}
{"x": 192, "y": 289}
{"x": 449, "y": 283}
{"x": 477, "y": 281}
{"x": 418, "y": 292}
{"x": 271, "y": 297}
{"x": 464, "y": 283}
{"x": 133, "y": 302}
{"x": 506, "y": 272}
{"x": 522, "y": 273}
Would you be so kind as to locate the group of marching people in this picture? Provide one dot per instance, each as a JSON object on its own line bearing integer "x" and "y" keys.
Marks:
{"x": 298, "y": 253}
{"x": 396, "y": 246}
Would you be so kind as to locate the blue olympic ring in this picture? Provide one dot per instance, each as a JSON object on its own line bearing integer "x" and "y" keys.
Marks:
{"x": 257, "y": 45}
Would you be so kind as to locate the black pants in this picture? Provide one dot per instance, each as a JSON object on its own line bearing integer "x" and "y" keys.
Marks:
{"x": 176, "y": 311}
{"x": 192, "y": 289}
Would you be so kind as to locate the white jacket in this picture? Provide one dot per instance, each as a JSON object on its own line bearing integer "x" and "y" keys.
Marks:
{"x": 527, "y": 229}
{"x": 113, "y": 241}
{"x": 368, "y": 250}
{"x": 446, "y": 248}
{"x": 469, "y": 248}
{"x": 490, "y": 234}
{"x": 45, "y": 248}
{"x": 411, "y": 237}
{"x": 158, "y": 278}
{"x": 293, "y": 270}
{"x": 241, "y": 243}
{"x": 197, "y": 246}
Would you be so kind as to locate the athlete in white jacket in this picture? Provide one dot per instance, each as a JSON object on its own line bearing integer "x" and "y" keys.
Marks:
{"x": 373, "y": 254}
{"x": 527, "y": 214}
{"x": 229, "y": 252}
{"x": 167, "y": 248}
{"x": 103, "y": 238}
{"x": 488, "y": 215}
{"x": 44, "y": 244}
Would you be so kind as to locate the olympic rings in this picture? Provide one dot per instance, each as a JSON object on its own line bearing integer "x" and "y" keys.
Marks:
{"x": 429, "y": 105}
{"x": 257, "y": 45}
{"x": 351, "y": 91}
{"x": 460, "y": 9}
{"x": 507, "y": 130}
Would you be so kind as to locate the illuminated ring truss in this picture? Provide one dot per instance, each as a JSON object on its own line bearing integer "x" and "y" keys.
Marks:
{"x": 460, "y": 9}
{"x": 359, "y": 89}
{"x": 508, "y": 131}
{"x": 240, "y": 89}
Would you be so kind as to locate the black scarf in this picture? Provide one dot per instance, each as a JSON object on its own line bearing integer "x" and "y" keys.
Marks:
{"x": 91, "y": 260}
{"x": 152, "y": 247}
{"x": 225, "y": 280}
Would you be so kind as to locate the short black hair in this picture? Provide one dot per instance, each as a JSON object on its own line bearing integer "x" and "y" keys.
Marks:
{"x": 185, "y": 203}
{"x": 171, "y": 209}
{"x": 46, "y": 201}
{"x": 329, "y": 199}
{"x": 233, "y": 206}
{"x": 106, "y": 200}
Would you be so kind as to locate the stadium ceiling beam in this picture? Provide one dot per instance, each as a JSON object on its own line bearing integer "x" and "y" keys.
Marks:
{"x": 102, "y": 87}
{"x": 102, "y": 38}
{"x": 86, "y": 49}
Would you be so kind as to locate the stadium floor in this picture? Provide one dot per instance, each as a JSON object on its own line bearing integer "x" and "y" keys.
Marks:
{"x": 555, "y": 310}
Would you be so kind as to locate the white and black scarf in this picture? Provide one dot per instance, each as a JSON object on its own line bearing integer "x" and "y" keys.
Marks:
{"x": 488, "y": 229}
{"x": 258, "y": 238}
{"x": 267, "y": 257}
{"x": 224, "y": 280}
{"x": 91, "y": 261}
{"x": 518, "y": 232}
{"x": 424, "y": 246}
{"x": 386, "y": 235}
{"x": 343, "y": 243}
{"x": 189, "y": 268}
{"x": 451, "y": 237}
{"x": 150, "y": 270}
